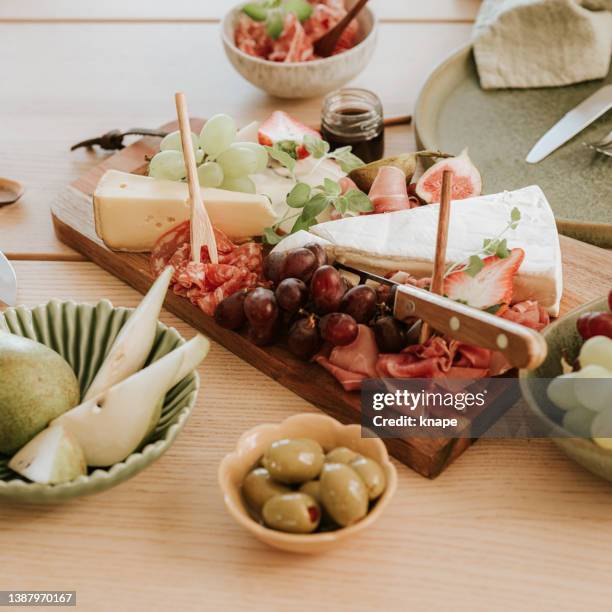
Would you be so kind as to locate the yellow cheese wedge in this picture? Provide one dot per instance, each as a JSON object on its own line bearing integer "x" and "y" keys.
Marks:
{"x": 132, "y": 211}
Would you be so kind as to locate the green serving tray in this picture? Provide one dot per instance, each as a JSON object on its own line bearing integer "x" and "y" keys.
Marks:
{"x": 501, "y": 126}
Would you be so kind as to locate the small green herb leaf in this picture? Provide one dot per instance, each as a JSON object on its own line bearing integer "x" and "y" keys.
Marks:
{"x": 301, "y": 8}
{"x": 256, "y": 11}
{"x": 515, "y": 215}
{"x": 274, "y": 24}
{"x": 331, "y": 187}
{"x": 315, "y": 146}
{"x": 299, "y": 195}
{"x": 475, "y": 265}
{"x": 315, "y": 206}
{"x": 502, "y": 249}
{"x": 358, "y": 201}
{"x": 271, "y": 237}
{"x": 302, "y": 223}
{"x": 282, "y": 158}
{"x": 348, "y": 161}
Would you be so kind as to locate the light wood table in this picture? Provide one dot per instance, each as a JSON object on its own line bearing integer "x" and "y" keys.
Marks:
{"x": 513, "y": 525}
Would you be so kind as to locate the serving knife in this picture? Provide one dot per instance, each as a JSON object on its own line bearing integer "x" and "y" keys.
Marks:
{"x": 521, "y": 346}
{"x": 8, "y": 281}
{"x": 572, "y": 123}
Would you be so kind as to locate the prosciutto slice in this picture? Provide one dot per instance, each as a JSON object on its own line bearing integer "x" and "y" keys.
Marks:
{"x": 353, "y": 363}
{"x": 528, "y": 313}
{"x": 437, "y": 357}
{"x": 389, "y": 192}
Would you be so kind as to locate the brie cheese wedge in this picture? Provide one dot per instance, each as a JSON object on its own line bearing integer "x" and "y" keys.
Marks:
{"x": 132, "y": 211}
{"x": 406, "y": 240}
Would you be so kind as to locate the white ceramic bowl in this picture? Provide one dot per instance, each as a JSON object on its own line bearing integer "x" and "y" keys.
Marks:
{"x": 302, "y": 79}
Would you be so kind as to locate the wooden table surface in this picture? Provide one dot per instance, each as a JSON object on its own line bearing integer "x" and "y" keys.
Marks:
{"x": 513, "y": 525}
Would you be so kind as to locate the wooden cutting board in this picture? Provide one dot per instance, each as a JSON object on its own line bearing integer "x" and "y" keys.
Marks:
{"x": 587, "y": 275}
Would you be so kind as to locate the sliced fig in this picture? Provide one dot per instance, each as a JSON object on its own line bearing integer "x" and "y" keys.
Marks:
{"x": 467, "y": 182}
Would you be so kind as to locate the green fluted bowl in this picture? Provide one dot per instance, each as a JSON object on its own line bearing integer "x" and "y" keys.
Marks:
{"x": 83, "y": 334}
{"x": 563, "y": 336}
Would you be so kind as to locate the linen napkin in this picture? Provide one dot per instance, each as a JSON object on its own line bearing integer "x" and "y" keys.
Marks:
{"x": 542, "y": 43}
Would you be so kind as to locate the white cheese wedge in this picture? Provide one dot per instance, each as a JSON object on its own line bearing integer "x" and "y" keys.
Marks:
{"x": 406, "y": 240}
{"x": 132, "y": 211}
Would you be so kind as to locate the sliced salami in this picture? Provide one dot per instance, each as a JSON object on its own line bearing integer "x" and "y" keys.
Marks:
{"x": 206, "y": 284}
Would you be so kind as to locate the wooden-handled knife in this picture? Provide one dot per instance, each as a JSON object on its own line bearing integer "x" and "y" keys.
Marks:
{"x": 522, "y": 347}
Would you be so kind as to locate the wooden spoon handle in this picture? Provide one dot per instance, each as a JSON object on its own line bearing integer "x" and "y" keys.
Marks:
{"x": 326, "y": 45}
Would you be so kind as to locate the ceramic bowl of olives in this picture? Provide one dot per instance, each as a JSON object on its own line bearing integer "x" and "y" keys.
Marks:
{"x": 308, "y": 483}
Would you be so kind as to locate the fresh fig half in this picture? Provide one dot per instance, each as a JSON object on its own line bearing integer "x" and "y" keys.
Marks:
{"x": 467, "y": 181}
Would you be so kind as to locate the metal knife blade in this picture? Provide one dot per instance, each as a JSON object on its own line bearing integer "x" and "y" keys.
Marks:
{"x": 572, "y": 123}
{"x": 8, "y": 282}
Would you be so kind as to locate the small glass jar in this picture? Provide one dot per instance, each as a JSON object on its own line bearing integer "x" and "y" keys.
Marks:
{"x": 354, "y": 117}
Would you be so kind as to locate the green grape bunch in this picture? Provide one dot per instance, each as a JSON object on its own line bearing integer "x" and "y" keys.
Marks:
{"x": 222, "y": 162}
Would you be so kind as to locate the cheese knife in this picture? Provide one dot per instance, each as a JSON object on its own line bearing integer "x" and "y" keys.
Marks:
{"x": 572, "y": 123}
{"x": 8, "y": 282}
{"x": 521, "y": 346}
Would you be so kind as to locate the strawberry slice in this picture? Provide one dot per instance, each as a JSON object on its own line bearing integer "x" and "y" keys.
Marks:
{"x": 491, "y": 286}
{"x": 280, "y": 126}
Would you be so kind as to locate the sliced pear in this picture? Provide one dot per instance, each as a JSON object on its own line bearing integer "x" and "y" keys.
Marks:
{"x": 135, "y": 340}
{"x": 52, "y": 457}
{"x": 112, "y": 425}
{"x": 193, "y": 352}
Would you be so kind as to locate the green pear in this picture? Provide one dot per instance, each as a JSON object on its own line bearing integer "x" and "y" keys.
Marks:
{"x": 135, "y": 340}
{"x": 52, "y": 457}
{"x": 36, "y": 386}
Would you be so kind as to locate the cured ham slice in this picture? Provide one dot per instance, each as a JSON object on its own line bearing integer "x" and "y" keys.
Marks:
{"x": 389, "y": 192}
{"x": 437, "y": 357}
{"x": 206, "y": 284}
{"x": 353, "y": 363}
{"x": 528, "y": 313}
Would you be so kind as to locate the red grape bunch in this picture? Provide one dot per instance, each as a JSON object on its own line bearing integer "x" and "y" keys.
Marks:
{"x": 314, "y": 303}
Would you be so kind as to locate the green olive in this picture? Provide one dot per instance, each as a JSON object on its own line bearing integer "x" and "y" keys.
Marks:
{"x": 372, "y": 475}
{"x": 312, "y": 488}
{"x": 293, "y": 461}
{"x": 341, "y": 454}
{"x": 258, "y": 487}
{"x": 292, "y": 512}
{"x": 343, "y": 494}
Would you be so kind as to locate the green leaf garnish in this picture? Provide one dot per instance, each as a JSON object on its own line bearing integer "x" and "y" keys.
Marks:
{"x": 315, "y": 206}
{"x": 271, "y": 237}
{"x": 256, "y": 11}
{"x": 315, "y": 146}
{"x": 474, "y": 266}
{"x": 331, "y": 187}
{"x": 275, "y": 24}
{"x": 301, "y": 8}
{"x": 358, "y": 201}
{"x": 502, "y": 249}
{"x": 299, "y": 195}
{"x": 348, "y": 161}
{"x": 303, "y": 223}
{"x": 282, "y": 158}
